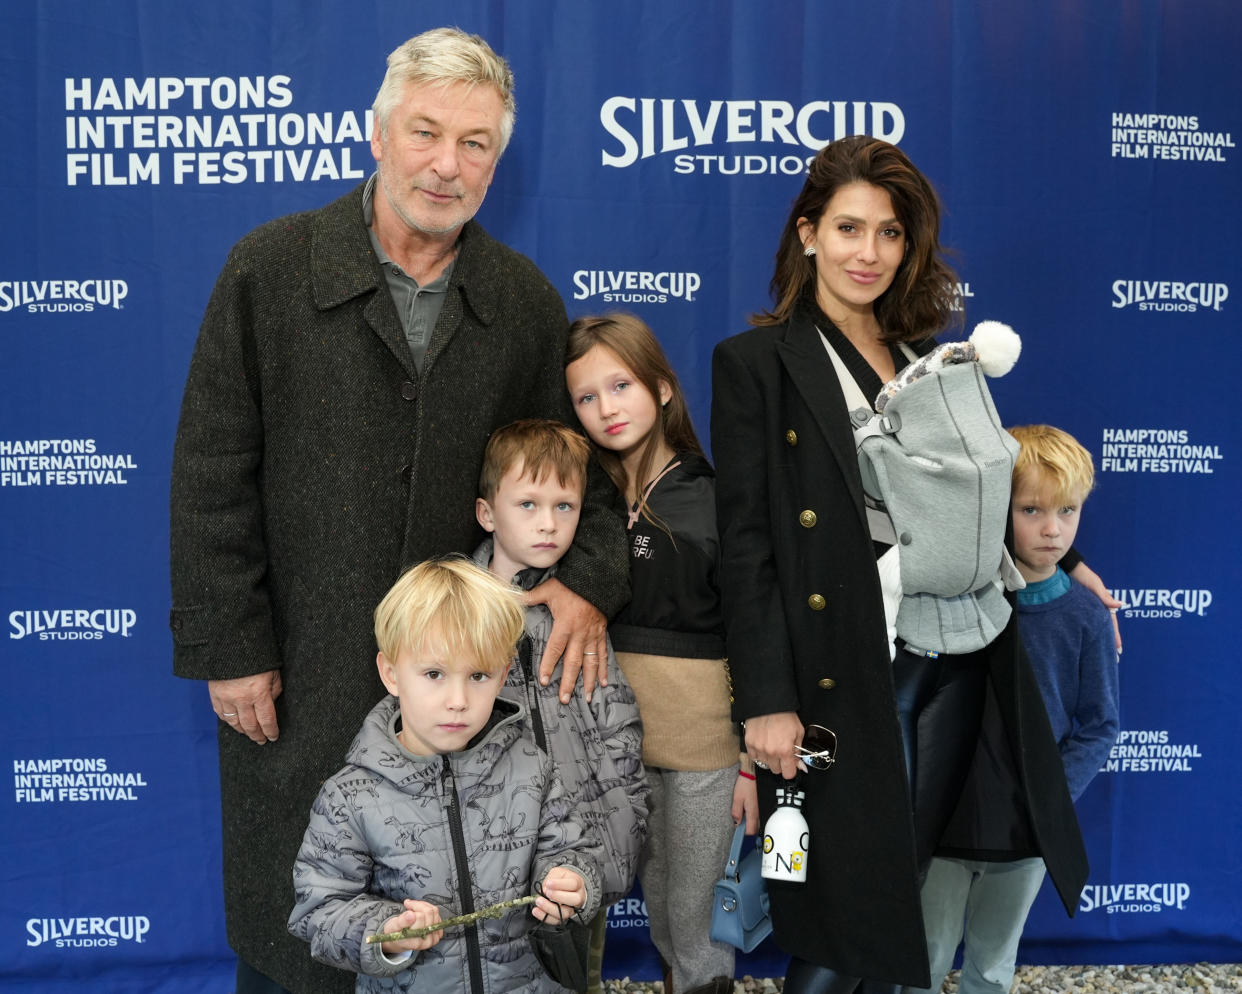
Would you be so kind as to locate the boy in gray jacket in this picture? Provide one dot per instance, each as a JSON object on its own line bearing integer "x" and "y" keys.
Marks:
{"x": 531, "y": 485}
{"x": 446, "y": 806}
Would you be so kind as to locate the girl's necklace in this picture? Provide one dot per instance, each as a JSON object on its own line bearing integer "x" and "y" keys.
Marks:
{"x": 636, "y": 507}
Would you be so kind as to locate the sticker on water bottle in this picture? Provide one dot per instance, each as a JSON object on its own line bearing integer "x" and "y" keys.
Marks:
{"x": 786, "y": 839}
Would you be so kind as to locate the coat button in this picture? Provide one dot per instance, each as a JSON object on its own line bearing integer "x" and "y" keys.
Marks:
{"x": 827, "y": 683}
{"x": 817, "y": 602}
{"x": 408, "y": 390}
{"x": 906, "y": 538}
{"x": 791, "y": 437}
{"x": 807, "y": 519}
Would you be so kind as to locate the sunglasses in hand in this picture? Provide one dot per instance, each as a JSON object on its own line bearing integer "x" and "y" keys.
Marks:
{"x": 818, "y": 750}
{"x": 819, "y": 747}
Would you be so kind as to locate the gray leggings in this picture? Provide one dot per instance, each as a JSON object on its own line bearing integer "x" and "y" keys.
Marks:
{"x": 689, "y": 831}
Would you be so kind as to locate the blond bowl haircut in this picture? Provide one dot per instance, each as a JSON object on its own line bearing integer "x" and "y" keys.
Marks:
{"x": 466, "y": 609}
{"x": 445, "y": 56}
{"x": 1055, "y": 458}
{"x": 540, "y": 447}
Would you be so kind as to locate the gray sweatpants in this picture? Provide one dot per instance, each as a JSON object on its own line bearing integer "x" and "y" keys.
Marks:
{"x": 689, "y": 831}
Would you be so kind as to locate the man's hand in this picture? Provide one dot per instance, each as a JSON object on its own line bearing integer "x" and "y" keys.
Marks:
{"x": 578, "y": 637}
{"x": 770, "y": 741}
{"x": 248, "y": 704}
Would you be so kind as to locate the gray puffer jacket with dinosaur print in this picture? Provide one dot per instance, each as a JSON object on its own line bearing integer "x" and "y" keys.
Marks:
{"x": 460, "y": 830}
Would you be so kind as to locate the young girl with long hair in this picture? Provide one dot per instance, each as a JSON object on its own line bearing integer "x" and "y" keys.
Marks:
{"x": 669, "y": 639}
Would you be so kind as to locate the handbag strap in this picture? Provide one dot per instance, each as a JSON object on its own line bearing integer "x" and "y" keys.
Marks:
{"x": 735, "y": 851}
{"x": 865, "y": 422}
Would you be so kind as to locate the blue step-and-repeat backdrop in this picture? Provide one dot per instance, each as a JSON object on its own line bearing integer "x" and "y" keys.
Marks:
{"x": 1087, "y": 156}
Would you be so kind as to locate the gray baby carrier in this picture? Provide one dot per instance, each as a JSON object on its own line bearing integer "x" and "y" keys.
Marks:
{"x": 937, "y": 464}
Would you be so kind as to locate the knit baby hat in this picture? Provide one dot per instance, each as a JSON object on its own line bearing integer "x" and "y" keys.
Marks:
{"x": 995, "y": 346}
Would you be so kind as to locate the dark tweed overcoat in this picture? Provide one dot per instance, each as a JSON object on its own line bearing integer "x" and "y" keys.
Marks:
{"x": 312, "y": 464}
{"x": 805, "y": 633}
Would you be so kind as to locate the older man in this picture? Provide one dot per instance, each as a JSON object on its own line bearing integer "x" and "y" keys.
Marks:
{"x": 350, "y": 366}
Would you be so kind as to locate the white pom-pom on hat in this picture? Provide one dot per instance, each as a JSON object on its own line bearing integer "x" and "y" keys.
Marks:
{"x": 997, "y": 345}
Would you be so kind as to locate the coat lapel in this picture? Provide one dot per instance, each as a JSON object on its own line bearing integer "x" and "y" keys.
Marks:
{"x": 344, "y": 267}
{"x": 813, "y": 376}
{"x": 472, "y": 284}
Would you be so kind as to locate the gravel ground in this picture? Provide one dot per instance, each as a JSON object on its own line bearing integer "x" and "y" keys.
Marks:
{"x": 1202, "y": 978}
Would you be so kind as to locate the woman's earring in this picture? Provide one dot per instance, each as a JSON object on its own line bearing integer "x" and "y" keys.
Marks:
{"x": 809, "y": 250}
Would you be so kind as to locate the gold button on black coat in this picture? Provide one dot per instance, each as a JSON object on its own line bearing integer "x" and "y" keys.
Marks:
{"x": 791, "y": 437}
{"x": 807, "y": 519}
{"x": 816, "y": 602}
{"x": 827, "y": 683}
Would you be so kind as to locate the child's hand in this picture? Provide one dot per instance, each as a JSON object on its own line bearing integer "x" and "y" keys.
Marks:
{"x": 417, "y": 914}
{"x": 746, "y": 803}
{"x": 561, "y": 886}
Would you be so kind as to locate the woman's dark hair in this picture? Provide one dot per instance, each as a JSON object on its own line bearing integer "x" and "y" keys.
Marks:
{"x": 920, "y": 301}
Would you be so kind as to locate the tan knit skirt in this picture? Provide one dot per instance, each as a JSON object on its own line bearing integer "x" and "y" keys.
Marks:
{"x": 684, "y": 705}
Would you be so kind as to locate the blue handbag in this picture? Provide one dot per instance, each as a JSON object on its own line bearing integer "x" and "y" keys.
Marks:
{"x": 740, "y": 899}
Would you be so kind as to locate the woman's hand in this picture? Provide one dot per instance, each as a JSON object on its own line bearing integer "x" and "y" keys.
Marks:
{"x": 770, "y": 742}
{"x": 1089, "y": 579}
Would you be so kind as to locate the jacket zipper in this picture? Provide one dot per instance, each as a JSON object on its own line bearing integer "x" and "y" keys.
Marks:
{"x": 473, "y": 951}
{"x": 532, "y": 692}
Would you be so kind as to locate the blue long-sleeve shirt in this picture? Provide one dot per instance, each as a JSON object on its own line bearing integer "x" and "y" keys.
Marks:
{"x": 1068, "y": 635}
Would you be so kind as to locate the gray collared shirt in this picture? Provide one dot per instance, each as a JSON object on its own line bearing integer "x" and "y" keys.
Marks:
{"x": 418, "y": 307}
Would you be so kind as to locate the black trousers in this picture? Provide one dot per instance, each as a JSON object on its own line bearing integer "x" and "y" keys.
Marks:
{"x": 940, "y": 705}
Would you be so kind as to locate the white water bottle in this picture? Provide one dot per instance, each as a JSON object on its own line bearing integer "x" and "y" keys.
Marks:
{"x": 786, "y": 838}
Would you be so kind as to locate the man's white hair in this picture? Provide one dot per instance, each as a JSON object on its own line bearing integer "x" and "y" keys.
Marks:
{"x": 445, "y": 56}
